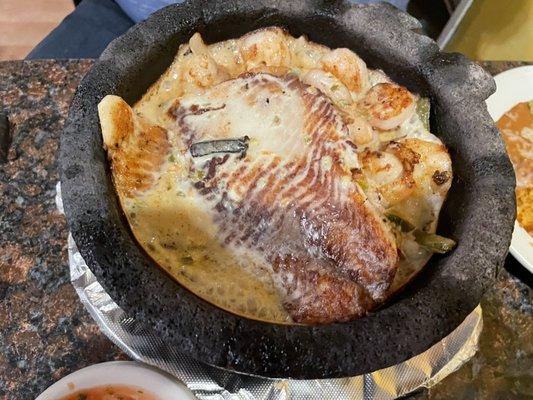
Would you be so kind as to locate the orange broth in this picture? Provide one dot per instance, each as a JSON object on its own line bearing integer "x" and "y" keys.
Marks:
{"x": 111, "y": 392}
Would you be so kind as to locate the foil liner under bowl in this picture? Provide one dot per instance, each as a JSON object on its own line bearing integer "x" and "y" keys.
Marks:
{"x": 208, "y": 382}
{"x": 213, "y": 383}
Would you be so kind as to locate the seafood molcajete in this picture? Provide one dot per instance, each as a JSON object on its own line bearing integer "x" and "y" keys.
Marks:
{"x": 279, "y": 179}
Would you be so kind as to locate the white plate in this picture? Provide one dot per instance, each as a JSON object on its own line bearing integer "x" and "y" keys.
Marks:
{"x": 160, "y": 384}
{"x": 514, "y": 86}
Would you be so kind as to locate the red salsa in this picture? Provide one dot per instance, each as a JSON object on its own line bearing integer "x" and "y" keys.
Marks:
{"x": 111, "y": 392}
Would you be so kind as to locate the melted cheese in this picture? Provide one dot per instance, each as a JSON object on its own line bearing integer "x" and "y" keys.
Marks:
{"x": 179, "y": 235}
{"x": 176, "y": 226}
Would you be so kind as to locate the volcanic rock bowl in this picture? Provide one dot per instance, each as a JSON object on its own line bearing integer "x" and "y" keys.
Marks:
{"x": 478, "y": 213}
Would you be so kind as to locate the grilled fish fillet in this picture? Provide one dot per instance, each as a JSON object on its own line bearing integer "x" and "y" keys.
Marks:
{"x": 290, "y": 200}
{"x": 136, "y": 149}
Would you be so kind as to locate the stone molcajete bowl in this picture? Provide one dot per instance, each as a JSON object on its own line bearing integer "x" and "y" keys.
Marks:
{"x": 478, "y": 213}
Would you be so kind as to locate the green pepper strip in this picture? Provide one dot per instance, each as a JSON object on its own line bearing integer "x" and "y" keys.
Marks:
{"x": 432, "y": 241}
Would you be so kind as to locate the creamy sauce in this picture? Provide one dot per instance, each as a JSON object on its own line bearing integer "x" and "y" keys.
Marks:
{"x": 177, "y": 230}
{"x": 111, "y": 392}
{"x": 516, "y": 127}
{"x": 183, "y": 244}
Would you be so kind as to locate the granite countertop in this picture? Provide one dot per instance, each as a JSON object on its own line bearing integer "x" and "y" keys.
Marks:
{"x": 45, "y": 333}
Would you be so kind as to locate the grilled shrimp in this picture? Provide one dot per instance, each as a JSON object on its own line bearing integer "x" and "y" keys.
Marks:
{"x": 265, "y": 47}
{"x": 434, "y": 172}
{"x": 347, "y": 67}
{"x": 387, "y": 105}
{"x": 411, "y": 167}
{"x": 199, "y": 68}
{"x": 390, "y": 171}
{"x": 360, "y": 130}
{"x": 329, "y": 85}
{"x": 432, "y": 177}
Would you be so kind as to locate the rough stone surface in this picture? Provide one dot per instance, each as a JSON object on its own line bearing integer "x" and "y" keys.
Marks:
{"x": 479, "y": 212}
{"x": 45, "y": 333}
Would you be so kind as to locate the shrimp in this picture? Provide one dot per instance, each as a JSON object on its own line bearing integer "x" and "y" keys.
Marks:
{"x": 433, "y": 175}
{"x": 199, "y": 68}
{"x": 387, "y": 105}
{"x": 306, "y": 54}
{"x": 329, "y": 85}
{"x": 376, "y": 76}
{"x": 265, "y": 47}
{"x": 390, "y": 171}
{"x": 197, "y": 45}
{"x": 432, "y": 178}
{"x": 276, "y": 71}
{"x": 360, "y": 130}
{"x": 409, "y": 168}
{"x": 228, "y": 55}
{"x": 347, "y": 67}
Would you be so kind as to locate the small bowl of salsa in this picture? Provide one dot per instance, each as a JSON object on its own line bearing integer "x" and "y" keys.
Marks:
{"x": 111, "y": 392}
{"x": 117, "y": 380}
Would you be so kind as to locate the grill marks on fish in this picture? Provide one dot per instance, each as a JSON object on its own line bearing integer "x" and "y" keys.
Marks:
{"x": 287, "y": 210}
{"x": 332, "y": 257}
{"x": 316, "y": 295}
{"x": 213, "y": 164}
{"x": 180, "y": 114}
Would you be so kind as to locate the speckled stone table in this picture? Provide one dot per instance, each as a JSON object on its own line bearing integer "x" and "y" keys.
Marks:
{"x": 45, "y": 333}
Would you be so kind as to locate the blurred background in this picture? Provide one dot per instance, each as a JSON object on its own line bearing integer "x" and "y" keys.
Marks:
{"x": 24, "y": 23}
{"x": 481, "y": 29}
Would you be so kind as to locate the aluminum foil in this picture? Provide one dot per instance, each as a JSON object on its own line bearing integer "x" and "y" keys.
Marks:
{"x": 212, "y": 383}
